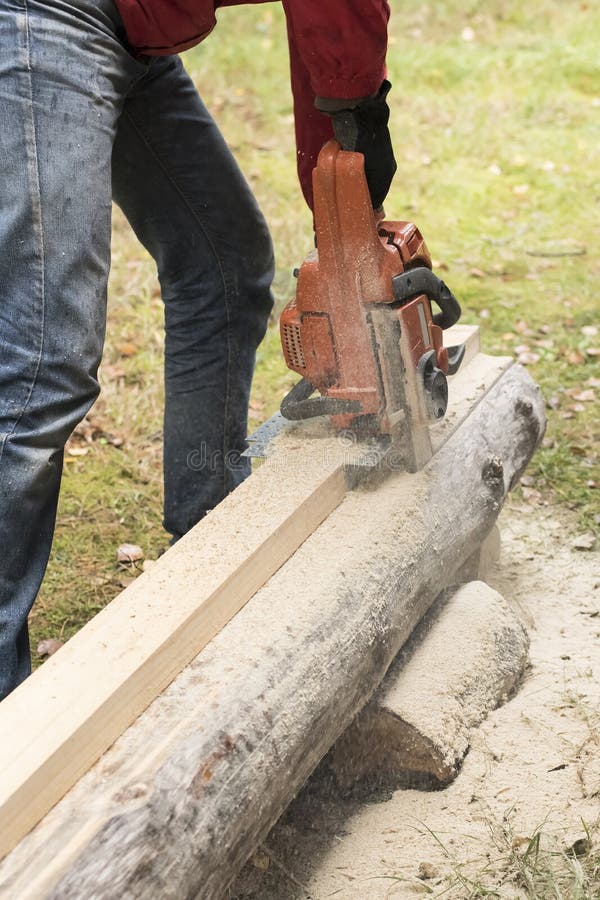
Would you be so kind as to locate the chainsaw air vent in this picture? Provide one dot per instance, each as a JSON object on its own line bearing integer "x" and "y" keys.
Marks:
{"x": 292, "y": 345}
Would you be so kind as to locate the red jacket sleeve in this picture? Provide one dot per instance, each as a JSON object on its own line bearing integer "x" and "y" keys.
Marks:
{"x": 342, "y": 43}
{"x": 337, "y": 49}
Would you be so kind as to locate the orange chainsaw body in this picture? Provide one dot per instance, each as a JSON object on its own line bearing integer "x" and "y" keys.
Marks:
{"x": 329, "y": 331}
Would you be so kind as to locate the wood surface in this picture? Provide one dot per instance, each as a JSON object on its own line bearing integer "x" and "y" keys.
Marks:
{"x": 82, "y": 699}
{"x": 58, "y": 722}
{"x": 463, "y": 661}
{"x": 175, "y": 807}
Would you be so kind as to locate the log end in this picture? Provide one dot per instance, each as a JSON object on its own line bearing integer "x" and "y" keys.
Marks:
{"x": 466, "y": 658}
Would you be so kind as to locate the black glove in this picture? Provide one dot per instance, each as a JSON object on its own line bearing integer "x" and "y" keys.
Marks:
{"x": 364, "y": 129}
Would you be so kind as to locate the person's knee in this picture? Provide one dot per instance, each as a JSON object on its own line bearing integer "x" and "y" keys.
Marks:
{"x": 221, "y": 287}
{"x": 57, "y": 405}
{"x": 256, "y": 271}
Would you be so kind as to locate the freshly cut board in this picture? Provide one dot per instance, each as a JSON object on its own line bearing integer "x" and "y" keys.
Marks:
{"x": 189, "y": 790}
{"x": 59, "y": 721}
{"x": 55, "y": 725}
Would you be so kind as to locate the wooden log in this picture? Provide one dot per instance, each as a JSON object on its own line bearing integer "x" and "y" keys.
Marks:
{"x": 463, "y": 660}
{"x": 177, "y": 805}
{"x": 86, "y": 695}
{"x": 59, "y": 721}
{"x": 480, "y": 565}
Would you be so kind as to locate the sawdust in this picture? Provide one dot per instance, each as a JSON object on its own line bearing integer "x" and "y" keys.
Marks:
{"x": 534, "y": 763}
{"x": 454, "y": 675}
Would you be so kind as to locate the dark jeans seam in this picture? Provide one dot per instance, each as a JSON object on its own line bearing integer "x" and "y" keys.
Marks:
{"x": 197, "y": 219}
{"x": 38, "y": 219}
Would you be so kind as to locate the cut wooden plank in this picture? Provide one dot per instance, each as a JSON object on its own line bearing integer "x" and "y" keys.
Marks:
{"x": 464, "y": 334}
{"x": 58, "y": 722}
{"x": 464, "y": 660}
{"x": 86, "y": 695}
{"x": 465, "y": 390}
{"x": 181, "y": 800}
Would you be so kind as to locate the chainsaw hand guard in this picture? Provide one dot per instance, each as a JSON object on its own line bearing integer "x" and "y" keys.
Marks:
{"x": 422, "y": 281}
{"x": 298, "y": 405}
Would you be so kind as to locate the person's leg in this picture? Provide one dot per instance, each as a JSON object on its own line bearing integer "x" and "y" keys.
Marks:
{"x": 179, "y": 186}
{"x": 63, "y": 74}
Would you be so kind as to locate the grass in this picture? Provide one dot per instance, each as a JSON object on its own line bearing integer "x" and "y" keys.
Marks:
{"x": 496, "y": 126}
{"x": 540, "y": 866}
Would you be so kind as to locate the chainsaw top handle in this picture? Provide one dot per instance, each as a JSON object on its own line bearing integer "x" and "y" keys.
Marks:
{"x": 422, "y": 280}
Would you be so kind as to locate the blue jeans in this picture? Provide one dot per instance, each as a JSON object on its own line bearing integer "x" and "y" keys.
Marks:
{"x": 81, "y": 120}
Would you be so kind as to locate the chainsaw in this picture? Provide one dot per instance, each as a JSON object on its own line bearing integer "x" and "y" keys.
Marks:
{"x": 360, "y": 330}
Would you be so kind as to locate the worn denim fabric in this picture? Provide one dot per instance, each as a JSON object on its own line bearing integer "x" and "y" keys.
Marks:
{"x": 80, "y": 119}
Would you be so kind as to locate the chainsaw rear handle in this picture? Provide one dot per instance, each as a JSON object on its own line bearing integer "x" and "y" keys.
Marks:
{"x": 421, "y": 280}
{"x": 298, "y": 405}
{"x": 362, "y": 127}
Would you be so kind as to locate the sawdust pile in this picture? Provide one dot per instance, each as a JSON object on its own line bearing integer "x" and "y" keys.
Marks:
{"x": 453, "y": 675}
{"x": 530, "y": 780}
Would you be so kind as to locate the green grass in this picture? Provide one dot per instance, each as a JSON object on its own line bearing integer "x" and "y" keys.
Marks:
{"x": 497, "y": 137}
{"x": 544, "y": 865}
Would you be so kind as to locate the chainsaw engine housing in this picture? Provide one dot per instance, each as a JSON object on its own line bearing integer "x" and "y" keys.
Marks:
{"x": 354, "y": 330}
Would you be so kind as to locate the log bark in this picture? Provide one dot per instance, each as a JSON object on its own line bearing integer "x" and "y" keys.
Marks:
{"x": 86, "y": 695}
{"x": 464, "y": 659}
{"x": 56, "y": 724}
{"x": 174, "y": 809}
{"x": 481, "y": 564}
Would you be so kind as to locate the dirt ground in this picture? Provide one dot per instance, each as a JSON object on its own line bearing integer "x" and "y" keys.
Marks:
{"x": 523, "y": 817}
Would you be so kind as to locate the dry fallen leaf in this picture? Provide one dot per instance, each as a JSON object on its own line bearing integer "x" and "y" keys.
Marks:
{"x": 125, "y": 581}
{"x": 127, "y": 349}
{"x": 580, "y": 847}
{"x": 77, "y": 451}
{"x": 113, "y": 372}
{"x": 427, "y": 871}
{"x": 88, "y": 432}
{"x": 584, "y": 541}
{"x": 532, "y": 496}
{"x": 99, "y": 580}
{"x": 577, "y": 451}
{"x": 575, "y": 357}
{"x": 260, "y": 861}
{"x": 527, "y": 358}
{"x": 129, "y": 553}
{"x": 48, "y": 647}
{"x": 585, "y": 396}
{"x": 520, "y": 841}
